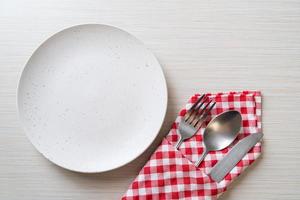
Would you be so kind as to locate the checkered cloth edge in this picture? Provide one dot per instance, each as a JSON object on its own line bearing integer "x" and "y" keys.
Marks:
{"x": 171, "y": 173}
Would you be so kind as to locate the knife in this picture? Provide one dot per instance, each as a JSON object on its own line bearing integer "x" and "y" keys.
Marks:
{"x": 223, "y": 167}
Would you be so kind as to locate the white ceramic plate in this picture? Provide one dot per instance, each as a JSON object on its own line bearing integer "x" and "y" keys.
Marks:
{"x": 92, "y": 98}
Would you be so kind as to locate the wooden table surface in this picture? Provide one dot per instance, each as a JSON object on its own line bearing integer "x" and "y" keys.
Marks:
{"x": 203, "y": 46}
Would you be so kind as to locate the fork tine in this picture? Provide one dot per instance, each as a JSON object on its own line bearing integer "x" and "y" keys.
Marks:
{"x": 191, "y": 110}
{"x": 204, "y": 116}
{"x": 199, "y": 107}
{"x": 194, "y": 112}
{"x": 195, "y": 104}
{"x": 198, "y": 115}
{"x": 202, "y": 110}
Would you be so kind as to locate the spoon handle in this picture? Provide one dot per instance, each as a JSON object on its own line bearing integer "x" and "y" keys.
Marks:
{"x": 201, "y": 158}
{"x": 178, "y": 143}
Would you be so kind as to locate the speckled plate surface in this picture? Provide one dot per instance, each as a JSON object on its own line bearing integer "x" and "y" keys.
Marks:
{"x": 92, "y": 98}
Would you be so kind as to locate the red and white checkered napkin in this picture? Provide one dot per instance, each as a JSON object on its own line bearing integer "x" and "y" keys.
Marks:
{"x": 171, "y": 174}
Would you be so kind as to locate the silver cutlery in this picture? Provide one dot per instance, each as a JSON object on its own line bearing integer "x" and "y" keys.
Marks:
{"x": 223, "y": 167}
{"x": 220, "y": 132}
{"x": 194, "y": 118}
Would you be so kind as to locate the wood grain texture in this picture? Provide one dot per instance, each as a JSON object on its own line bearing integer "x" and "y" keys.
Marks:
{"x": 203, "y": 46}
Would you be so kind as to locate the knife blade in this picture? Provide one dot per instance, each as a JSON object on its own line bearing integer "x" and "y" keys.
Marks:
{"x": 223, "y": 167}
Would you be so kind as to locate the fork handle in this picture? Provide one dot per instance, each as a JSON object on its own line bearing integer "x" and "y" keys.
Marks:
{"x": 178, "y": 143}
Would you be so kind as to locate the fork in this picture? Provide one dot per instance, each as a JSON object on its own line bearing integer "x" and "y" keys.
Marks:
{"x": 194, "y": 118}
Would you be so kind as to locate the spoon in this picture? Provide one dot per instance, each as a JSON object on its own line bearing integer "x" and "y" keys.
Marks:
{"x": 220, "y": 132}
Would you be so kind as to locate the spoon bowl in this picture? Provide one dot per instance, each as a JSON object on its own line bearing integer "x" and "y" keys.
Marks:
{"x": 220, "y": 132}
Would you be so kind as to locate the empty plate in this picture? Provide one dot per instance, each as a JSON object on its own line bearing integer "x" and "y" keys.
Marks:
{"x": 92, "y": 98}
